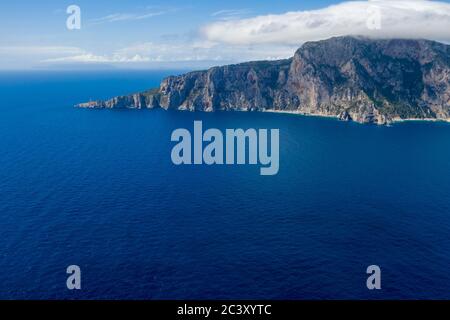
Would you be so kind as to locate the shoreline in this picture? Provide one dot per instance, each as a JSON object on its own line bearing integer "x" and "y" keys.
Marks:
{"x": 392, "y": 121}
{"x": 424, "y": 119}
{"x": 298, "y": 113}
{"x": 302, "y": 113}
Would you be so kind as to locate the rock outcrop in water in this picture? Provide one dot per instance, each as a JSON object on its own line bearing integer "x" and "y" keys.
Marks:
{"x": 352, "y": 78}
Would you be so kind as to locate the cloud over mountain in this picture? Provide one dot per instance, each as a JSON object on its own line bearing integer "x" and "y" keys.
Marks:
{"x": 377, "y": 18}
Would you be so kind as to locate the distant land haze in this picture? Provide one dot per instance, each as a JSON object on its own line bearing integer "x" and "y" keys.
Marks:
{"x": 351, "y": 78}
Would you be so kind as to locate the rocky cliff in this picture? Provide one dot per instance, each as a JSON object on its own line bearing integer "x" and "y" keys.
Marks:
{"x": 353, "y": 78}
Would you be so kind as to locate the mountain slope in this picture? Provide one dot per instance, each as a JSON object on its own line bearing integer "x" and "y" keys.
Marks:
{"x": 353, "y": 78}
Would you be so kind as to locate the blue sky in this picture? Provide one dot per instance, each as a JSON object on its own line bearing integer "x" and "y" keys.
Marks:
{"x": 164, "y": 34}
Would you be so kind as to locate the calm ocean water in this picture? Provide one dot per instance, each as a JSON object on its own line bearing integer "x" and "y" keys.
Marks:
{"x": 97, "y": 188}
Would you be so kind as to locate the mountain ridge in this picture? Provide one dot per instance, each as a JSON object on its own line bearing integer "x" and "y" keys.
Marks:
{"x": 351, "y": 78}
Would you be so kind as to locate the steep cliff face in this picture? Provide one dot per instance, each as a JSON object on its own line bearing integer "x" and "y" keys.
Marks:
{"x": 369, "y": 81}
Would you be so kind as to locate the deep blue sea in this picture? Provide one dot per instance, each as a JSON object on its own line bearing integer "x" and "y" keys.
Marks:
{"x": 97, "y": 188}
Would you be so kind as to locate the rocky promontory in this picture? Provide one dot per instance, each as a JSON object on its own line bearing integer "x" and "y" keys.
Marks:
{"x": 352, "y": 78}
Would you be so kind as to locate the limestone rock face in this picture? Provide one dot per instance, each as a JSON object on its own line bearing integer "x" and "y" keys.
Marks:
{"x": 351, "y": 78}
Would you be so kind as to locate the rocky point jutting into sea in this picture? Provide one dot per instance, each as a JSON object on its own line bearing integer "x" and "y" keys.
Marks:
{"x": 352, "y": 78}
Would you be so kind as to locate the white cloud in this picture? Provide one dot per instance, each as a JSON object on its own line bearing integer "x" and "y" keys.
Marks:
{"x": 92, "y": 58}
{"x": 126, "y": 16}
{"x": 198, "y": 50}
{"x": 38, "y": 50}
{"x": 230, "y": 14}
{"x": 193, "y": 51}
{"x": 269, "y": 37}
{"x": 399, "y": 18}
{"x": 24, "y": 57}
